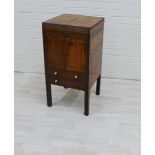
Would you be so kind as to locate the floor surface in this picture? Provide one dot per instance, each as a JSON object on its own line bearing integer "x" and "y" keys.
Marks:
{"x": 112, "y": 128}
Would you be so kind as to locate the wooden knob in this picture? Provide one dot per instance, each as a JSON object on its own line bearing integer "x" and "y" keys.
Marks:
{"x": 75, "y": 77}
{"x": 56, "y": 81}
{"x": 55, "y": 73}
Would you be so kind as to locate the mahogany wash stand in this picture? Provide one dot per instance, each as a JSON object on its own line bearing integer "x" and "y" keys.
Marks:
{"x": 73, "y": 53}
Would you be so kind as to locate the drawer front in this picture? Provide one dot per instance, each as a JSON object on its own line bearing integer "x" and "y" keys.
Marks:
{"x": 75, "y": 76}
{"x": 74, "y": 84}
{"x": 56, "y": 73}
{"x": 68, "y": 79}
{"x": 56, "y": 81}
{"x": 56, "y": 76}
{"x": 74, "y": 80}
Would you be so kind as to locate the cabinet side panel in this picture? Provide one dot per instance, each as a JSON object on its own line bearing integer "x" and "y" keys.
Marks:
{"x": 95, "y": 53}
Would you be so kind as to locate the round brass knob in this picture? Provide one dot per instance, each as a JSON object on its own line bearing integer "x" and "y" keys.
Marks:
{"x": 75, "y": 77}
{"x": 55, "y": 73}
{"x": 56, "y": 81}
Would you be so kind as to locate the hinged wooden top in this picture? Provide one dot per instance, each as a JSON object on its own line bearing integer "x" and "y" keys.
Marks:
{"x": 75, "y": 20}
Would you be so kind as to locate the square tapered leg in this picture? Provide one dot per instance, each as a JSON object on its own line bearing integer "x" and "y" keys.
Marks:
{"x": 98, "y": 84}
{"x": 86, "y": 104}
{"x": 49, "y": 95}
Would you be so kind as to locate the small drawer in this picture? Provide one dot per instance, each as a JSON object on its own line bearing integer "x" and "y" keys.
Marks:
{"x": 74, "y": 84}
{"x": 56, "y": 81}
{"x": 75, "y": 76}
{"x": 56, "y": 73}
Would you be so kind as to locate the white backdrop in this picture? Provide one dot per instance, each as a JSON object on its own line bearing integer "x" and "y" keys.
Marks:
{"x": 121, "y": 49}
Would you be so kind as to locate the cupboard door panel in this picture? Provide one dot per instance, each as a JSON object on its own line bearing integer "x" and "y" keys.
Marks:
{"x": 56, "y": 51}
{"x": 75, "y": 55}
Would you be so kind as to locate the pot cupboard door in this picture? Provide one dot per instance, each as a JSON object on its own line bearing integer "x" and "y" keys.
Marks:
{"x": 75, "y": 55}
{"x": 55, "y": 51}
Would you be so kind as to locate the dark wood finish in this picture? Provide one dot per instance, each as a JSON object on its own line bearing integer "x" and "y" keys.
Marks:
{"x": 73, "y": 53}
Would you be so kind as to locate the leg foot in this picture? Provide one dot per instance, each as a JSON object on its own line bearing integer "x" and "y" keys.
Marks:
{"x": 98, "y": 85}
{"x": 49, "y": 95}
{"x": 86, "y": 104}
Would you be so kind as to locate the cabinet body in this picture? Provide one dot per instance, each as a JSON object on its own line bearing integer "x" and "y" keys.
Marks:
{"x": 66, "y": 58}
{"x": 72, "y": 54}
